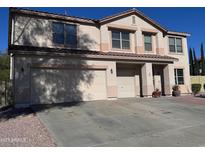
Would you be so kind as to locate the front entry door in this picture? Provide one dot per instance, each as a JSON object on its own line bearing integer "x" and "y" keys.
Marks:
{"x": 158, "y": 79}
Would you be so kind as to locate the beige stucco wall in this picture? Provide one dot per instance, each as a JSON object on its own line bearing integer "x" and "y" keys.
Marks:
{"x": 22, "y": 78}
{"x": 136, "y": 36}
{"x": 182, "y": 63}
{"x": 38, "y": 32}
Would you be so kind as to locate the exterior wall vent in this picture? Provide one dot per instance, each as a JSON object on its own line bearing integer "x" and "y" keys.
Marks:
{"x": 133, "y": 20}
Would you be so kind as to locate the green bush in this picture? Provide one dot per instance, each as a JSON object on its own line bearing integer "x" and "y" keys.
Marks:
{"x": 4, "y": 67}
{"x": 6, "y": 93}
{"x": 196, "y": 88}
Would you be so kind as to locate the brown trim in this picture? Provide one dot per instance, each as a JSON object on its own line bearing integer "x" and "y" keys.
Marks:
{"x": 70, "y": 66}
{"x": 42, "y": 51}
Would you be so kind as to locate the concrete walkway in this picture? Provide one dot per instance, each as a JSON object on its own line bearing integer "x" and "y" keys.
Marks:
{"x": 164, "y": 121}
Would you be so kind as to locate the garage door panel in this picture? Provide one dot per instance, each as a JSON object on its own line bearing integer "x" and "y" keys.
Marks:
{"x": 55, "y": 86}
{"x": 126, "y": 87}
{"x": 94, "y": 89}
{"x": 126, "y": 84}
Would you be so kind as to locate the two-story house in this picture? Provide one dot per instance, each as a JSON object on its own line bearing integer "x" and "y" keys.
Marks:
{"x": 59, "y": 58}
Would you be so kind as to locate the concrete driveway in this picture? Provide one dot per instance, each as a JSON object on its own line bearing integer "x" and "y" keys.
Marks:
{"x": 164, "y": 121}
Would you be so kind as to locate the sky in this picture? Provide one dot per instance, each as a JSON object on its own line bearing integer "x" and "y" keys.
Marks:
{"x": 189, "y": 20}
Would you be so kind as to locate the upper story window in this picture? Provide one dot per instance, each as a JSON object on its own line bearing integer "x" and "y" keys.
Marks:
{"x": 175, "y": 44}
{"x": 179, "y": 76}
{"x": 58, "y": 33}
{"x": 64, "y": 34}
{"x": 120, "y": 39}
{"x": 148, "y": 42}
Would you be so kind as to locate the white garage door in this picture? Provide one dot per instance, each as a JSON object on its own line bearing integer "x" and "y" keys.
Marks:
{"x": 64, "y": 85}
{"x": 126, "y": 83}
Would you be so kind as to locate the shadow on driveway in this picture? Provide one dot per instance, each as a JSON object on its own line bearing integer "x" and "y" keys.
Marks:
{"x": 10, "y": 112}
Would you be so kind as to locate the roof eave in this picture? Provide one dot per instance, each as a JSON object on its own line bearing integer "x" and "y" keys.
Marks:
{"x": 26, "y": 50}
{"x": 93, "y": 21}
{"x": 184, "y": 34}
{"x": 52, "y": 16}
{"x": 144, "y": 17}
{"x": 129, "y": 12}
{"x": 90, "y": 56}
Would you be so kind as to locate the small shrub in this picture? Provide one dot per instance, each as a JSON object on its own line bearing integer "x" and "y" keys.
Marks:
{"x": 175, "y": 88}
{"x": 156, "y": 93}
{"x": 204, "y": 86}
{"x": 196, "y": 88}
{"x": 6, "y": 93}
{"x": 176, "y": 92}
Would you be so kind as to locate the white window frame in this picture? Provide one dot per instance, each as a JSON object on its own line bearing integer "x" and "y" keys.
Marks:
{"x": 175, "y": 44}
{"x": 121, "y": 40}
{"x": 150, "y": 35}
{"x": 176, "y": 76}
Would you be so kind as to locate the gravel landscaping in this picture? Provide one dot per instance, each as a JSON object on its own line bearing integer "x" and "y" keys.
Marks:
{"x": 23, "y": 128}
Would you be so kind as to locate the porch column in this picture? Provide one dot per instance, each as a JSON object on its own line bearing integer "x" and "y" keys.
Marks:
{"x": 168, "y": 79}
{"x": 147, "y": 80}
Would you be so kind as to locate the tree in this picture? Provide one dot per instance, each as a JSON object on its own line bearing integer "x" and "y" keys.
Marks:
{"x": 191, "y": 62}
{"x": 4, "y": 67}
{"x": 196, "y": 64}
{"x": 202, "y": 60}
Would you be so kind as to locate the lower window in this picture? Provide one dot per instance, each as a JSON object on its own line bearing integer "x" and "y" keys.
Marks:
{"x": 179, "y": 76}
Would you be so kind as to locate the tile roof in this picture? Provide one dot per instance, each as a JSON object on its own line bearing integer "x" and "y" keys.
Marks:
{"x": 15, "y": 49}
{"x": 94, "y": 21}
{"x": 53, "y": 15}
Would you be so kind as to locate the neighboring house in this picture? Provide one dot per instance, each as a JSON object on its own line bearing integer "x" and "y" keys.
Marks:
{"x": 59, "y": 58}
